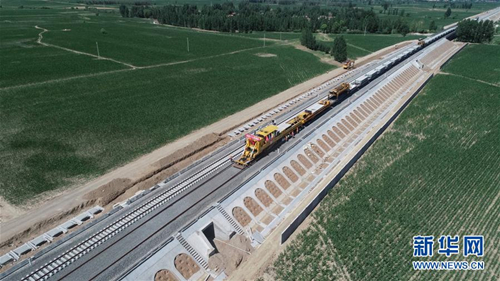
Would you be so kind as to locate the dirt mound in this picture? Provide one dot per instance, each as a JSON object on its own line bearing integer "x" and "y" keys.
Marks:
{"x": 231, "y": 254}
{"x": 105, "y": 194}
{"x": 116, "y": 190}
{"x": 188, "y": 150}
{"x": 40, "y": 227}
{"x": 265, "y": 55}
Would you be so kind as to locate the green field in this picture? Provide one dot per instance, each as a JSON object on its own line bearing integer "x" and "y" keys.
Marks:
{"x": 141, "y": 43}
{"x": 374, "y": 42}
{"x": 496, "y": 40}
{"x": 67, "y": 117}
{"x": 128, "y": 41}
{"x": 359, "y": 45}
{"x": 422, "y": 13}
{"x": 434, "y": 172}
{"x": 466, "y": 64}
{"x": 272, "y": 35}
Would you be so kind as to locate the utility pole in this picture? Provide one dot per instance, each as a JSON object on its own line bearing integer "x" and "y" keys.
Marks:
{"x": 187, "y": 44}
{"x": 98, "y": 55}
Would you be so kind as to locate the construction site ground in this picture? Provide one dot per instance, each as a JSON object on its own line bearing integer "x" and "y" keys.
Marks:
{"x": 264, "y": 256}
{"x": 19, "y": 224}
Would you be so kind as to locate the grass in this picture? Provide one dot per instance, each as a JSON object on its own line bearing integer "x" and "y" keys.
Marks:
{"x": 55, "y": 134}
{"x": 422, "y": 13}
{"x": 434, "y": 172}
{"x": 68, "y": 117}
{"x": 272, "y": 35}
{"x": 496, "y": 40}
{"x": 132, "y": 41}
{"x": 46, "y": 63}
{"x": 359, "y": 45}
{"x": 25, "y": 61}
{"x": 374, "y": 42}
{"x": 354, "y": 52}
{"x": 467, "y": 63}
{"x": 141, "y": 43}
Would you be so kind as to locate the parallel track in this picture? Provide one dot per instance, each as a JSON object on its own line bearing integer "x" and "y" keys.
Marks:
{"x": 49, "y": 269}
{"x": 76, "y": 252}
{"x": 152, "y": 234}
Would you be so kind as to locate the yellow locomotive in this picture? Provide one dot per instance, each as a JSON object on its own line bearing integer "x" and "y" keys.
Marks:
{"x": 270, "y": 135}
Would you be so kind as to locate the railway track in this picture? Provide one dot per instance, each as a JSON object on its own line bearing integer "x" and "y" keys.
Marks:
{"x": 151, "y": 235}
{"x": 135, "y": 216}
{"x": 83, "y": 248}
{"x": 78, "y": 251}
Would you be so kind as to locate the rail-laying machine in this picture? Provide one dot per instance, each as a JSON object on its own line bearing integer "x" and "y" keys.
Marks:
{"x": 258, "y": 143}
{"x": 270, "y": 135}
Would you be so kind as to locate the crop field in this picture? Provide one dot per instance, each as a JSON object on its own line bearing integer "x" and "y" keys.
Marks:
{"x": 68, "y": 116}
{"x": 359, "y": 45}
{"x": 139, "y": 42}
{"x": 422, "y": 13}
{"x": 496, "y": 40}
{"x": 25, "y": 61}
{"x": 434, "y": 172}
{"x": 130, "y": 42}
{"x": 374, "y": 42}
{"x": 55, "y": 133}
{"x": 272, "y": 35}
{"x": 466, "y": 64}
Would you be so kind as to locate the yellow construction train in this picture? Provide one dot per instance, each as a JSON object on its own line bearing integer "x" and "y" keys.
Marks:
{"x": 263, "y": 140}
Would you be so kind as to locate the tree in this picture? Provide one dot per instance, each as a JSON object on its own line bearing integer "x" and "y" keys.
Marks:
{"x": 124, "y": 11}
{"x": 404, "y": 29}
{"x": 323, "y": 27}
{"x": 447, "y": 13}
{"x": 432, "y": 26}
{"x": 475, "y": 31}
{"x": 307, "y": 39}
{"x": 385, "y": 5}
{"x": 339, "y": 49}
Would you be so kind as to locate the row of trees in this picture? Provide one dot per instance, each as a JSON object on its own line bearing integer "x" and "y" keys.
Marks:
{"x": 475, "y": 31}
{"x": 247, "y": 17}
{"x": 338, "y": 50}
{"x": 464, "y": 5}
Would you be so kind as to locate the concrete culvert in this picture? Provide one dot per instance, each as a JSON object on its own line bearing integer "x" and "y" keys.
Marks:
{"x": 356, "y": 117}
{"x": 351, "y": 120}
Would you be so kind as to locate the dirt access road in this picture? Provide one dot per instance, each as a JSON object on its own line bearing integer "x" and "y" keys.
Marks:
{"x": 20, "y": 224}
